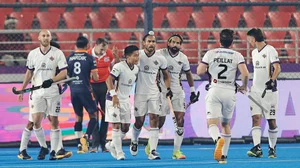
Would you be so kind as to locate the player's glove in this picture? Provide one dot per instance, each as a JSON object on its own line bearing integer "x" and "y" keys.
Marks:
{"x": 207, "y": 87}
{"x": 169, "y": 93}
{"x": 270, "y": 84}
{"x": 194, "y": 98}
{"x": 47, "y": 83}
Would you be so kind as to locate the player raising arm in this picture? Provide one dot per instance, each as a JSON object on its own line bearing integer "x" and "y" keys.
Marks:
{"x": 222, "y": 64}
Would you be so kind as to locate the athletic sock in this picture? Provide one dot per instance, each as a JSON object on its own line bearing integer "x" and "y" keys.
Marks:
{"x": 273, "y": 137}
{"x": 40, "y": 136}
{"x": 153, "y": 139}
{"x": 256, "y": 135}
{"x": 25, "y": 139}
{"x": 214, "y": 132}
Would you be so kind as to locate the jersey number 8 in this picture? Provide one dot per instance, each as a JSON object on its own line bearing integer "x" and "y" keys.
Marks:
{"x": 77, "y": 68}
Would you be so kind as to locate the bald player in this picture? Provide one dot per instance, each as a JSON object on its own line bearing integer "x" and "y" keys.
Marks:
{"x": 42, "y": 65}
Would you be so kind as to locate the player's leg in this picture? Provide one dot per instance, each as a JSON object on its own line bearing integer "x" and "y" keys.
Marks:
{"x": 24, "y": 141}
{"x": 95, "y": 136}
{"x": 271, "y": 100}
{"x": 256, "y": 128}
{"x": 78, "y": 109}
{"x": 103, "y": 125}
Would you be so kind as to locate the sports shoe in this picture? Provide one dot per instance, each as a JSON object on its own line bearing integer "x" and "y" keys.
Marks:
{"x": 111, "y": 149}
{"x": 79, "y": 150}
{"x": 121, "y": 156}
{"x": 62, "y": 153}
{"x": 178, "y": 155}
{"x": 134, "y": 148}
{"x": 223, "y": 160}
{"x": 255, "y": 152}
{"x": 147, "y": 149}
{"x": 104, "y": 149}
{"x": 53, "y": 156}
{"x": 23, "y": 155}
{"x": 94, "y": 150}
{"x": 84, "y": 144}
{"x": 43, "y": 153}
{"x": 218, "y": 149}
{"x": 272, "y": 152}
{"x": 153, "y": 155}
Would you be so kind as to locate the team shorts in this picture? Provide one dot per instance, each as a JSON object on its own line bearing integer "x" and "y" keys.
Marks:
{"x": 178, "y": 103}
{"x": 86, "y": 100}
{"x": 220, "y": 103}
{"x": 144, "y": 104}
{"x": 269, "y": 102}
{"x": 117, "y": 115}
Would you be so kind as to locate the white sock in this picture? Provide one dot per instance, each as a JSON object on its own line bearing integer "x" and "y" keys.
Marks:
{"x": 214, "y": 132}
{"x": 54, "y": 139}
{"x": 40, "y": 136}
{"x": 178, "y": 140}
{"x": 60, "y": 143}
{"x": 123, "y": 134}
{"x": 135, "y": 134}
{"x": 25, "y": 139}
{"x": 227, "y": 139}
{"x": 273, "y": 137}
{"x": 154, "y": 132}
{"x": 116, "y": 140}
{"x": 256, "y": 135}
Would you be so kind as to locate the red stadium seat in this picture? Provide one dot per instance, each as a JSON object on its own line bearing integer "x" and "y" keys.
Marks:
{"x": 194, "y": 37}
{"x": 277, "y": 35}
{"x": 56, "y": 9}
{"x": 287, "y": 8}
{"x": 291, "y": 52}
{"x": 184, "y": 9}
{"x": 260, "y": 8}
{"x": 6, "y": 11}
{"x": 297, "y": 18}
{"x": 34, "y": 40}
{"x": 229, "y": 19}
{"x": 240, "y": 47}
{"x": 235, "y": 8}
{"x": 24, "y": 19}
{"x": 210, "y": 8}
{"x": 100, "y": 20}
{"x": 108, "y": 9}
{"x": 191, "y": 51}
{"x": 279, "y": 19}
{"x": 82, "y": 9}
{"x": 161, "y": 0}
{"x": 164, "y": 35}
{"x": 242, "y": 35}
{"x": 67, "y": 42}
{"x": 254, "y": 19}
{"x": 133, "y": 9}
{"x": 126, "y": 19}
{"x": 48, "y": 20}
{"x": 293, "y": 36}
{"x": 203, "y": 19}
{"x": 178, "y": 19}
{"x": 119, "y": 39}
{"x": 75, "y": 20}
{"x": 158, "y": 18}
{"x": 7, "y": 1}
{"x": 2, "y": 20}
{"x": 98, "y": 35}
{"x": 30, "y": 9}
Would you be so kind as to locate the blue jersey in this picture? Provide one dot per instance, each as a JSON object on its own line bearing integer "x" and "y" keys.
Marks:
{"x": 81, "y": 64}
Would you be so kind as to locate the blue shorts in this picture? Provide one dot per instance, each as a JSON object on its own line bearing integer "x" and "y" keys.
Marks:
{"x": 86, "y": 100}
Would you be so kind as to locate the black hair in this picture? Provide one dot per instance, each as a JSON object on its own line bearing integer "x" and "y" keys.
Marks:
{"x": 130, "y": 49}
{"x": 101, "y": 41}
{"x": 257, "y": 34}
{"x": 54, "y": 44}
{"x": 226, "y": 37}
{"x": 81, "y": 42}
{"x": 175, "y": 35}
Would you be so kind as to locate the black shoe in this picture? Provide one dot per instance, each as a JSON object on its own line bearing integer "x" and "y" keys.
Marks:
{"x": 134, "y": 148}
{"x": 62, "y": 153}
{"x": 154, "y": 155}
{"x": 272, "y": 152}
{"x": 23, "y": 155}
{"x": 255, "y": 152}
{"x": 43, "y": 153}
{"x": 223, "y": 160}
{"x": 53, "y": 156}
{"x": 104, "y": 149}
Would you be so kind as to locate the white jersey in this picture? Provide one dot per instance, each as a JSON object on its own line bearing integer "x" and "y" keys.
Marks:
{"x": 126, "y": 78}
{"x": 262, "y": 61}
{"x": 175, "y": 66}
{"x": 222, "y": 66}
{"x": 45, "y": 66}
{"x": 149, "y": 67}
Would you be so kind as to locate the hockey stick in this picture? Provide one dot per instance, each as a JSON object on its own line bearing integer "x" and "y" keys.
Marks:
{"x": 264, "y": 93}
{"x": 15, "y": 91}
{"x": 179, "y": 132}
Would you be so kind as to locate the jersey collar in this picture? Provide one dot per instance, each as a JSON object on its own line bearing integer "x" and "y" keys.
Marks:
{"x": 173, "y": 55}
{"x": 94, "y": 54}
{"x": 151, "y": 54}
{"x": 46, "y": 52}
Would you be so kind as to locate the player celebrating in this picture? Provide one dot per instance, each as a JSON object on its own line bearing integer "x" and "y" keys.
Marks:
{"x": 176, "y": 61}
{"x": 147, "y": 94}
{"x": 266, "y": 70}
{"x": 83, "y": 65}
{"x": 117, "y": 102}
{"x": 222, "y": 64}
{"x": 27, "y": 133}
{"x": 42, "y": 63}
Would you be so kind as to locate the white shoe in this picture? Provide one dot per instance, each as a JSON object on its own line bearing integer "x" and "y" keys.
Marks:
{"x": 121, "y": 156}
{"x": 111, "y": 149}
{"x": 134, "y": 148}
{"x": 154, "y": 155}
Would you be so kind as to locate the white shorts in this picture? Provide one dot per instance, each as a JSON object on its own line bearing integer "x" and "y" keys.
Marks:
{"x": 117, "y": 115}
{"x": 220, "y": 103}
{"x": 47, "y": 105}
{"x": 177, "y": 101}
{"x": 269, "y": 102}
{"x": 144, "y": 104}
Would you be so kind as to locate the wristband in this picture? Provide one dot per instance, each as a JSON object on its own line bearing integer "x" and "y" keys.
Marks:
{"x": 112, "y": 92}
{"x": 192, "y": 89}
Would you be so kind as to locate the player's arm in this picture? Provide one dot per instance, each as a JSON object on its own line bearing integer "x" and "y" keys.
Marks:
{"x": 275, "y": 63}
{"x": 115, "y": 54}
{"x": 115, "y": 72}
{"x": 202, "y": 67}
{"x": 27, "y": 78}
{"x": 277, "y": 70}
{"x": 167, "y": 80}
{"x": 61, "y": 75}
{"x": 94, "y": 71}
{"x": 245, "y": 77}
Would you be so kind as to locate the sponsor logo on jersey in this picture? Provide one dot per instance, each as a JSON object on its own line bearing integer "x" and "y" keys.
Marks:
{"x": 146, "y": 68}
{"x": 155, "y": 62}
{"x": 51, "y": 58}
{"x": 129, "y": 81}
{"x": 264, "y": 55}
{"x": 257, "y": 63}
{"x": 43, "y": 65}
{"x": 170, "y": 67}
{"x": 179, "y": 62}
{"x": 106, "y": 59}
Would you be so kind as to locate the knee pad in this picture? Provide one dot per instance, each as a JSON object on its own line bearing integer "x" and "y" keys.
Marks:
{"x": 180, "y": 131}
{"x": 78, "y": 126}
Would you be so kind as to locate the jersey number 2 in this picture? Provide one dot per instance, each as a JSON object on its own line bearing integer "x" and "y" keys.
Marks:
{"x": 221, "y": 72}
{"x": 77, "y": 68}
